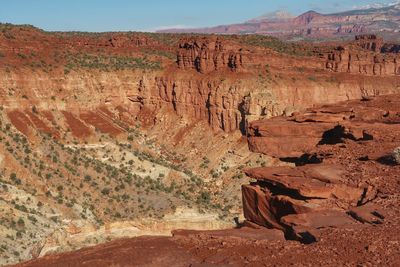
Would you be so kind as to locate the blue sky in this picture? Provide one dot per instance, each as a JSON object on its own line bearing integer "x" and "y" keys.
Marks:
{"x": 149, "y": 15}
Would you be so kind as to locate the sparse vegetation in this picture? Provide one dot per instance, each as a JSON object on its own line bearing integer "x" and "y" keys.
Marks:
{"x": 275, "y": 44}
{"x": 108, "y": 63}
{"x": 312, "y": 78}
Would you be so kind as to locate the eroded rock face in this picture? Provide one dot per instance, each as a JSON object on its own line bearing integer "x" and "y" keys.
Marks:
{"x": 227, "y": 81}
{"x": 337, "y": 189}
{"x": 364, "y": 57}
{"x": 370, "y": 42}
{"x": 205, "y": 55}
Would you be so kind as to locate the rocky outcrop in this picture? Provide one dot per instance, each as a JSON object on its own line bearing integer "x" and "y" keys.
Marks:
{"x": 370, "y": 42}
{"x": 368, "y": 58}
{"x": 205, "y": 55}
{"x": 327, "y": 144}
{"x": 295, "y": 199}
{"x": 316, "y": 126}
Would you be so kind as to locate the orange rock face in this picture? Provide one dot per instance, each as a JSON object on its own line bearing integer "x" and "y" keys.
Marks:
{"x": 206, "y": 55}
{"x": 365, "y": 60}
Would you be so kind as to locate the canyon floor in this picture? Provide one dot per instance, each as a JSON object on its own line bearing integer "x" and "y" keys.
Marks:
{"x": 364, "y": 235}
{"x": 106, "y": 136}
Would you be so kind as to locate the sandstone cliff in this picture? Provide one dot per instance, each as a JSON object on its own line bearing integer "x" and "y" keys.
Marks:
{"x": 223, "y": 80}
{"x": 367, "y": 60}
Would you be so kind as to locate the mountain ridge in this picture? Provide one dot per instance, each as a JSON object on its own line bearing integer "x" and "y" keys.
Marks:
{"x": 313, "y": 25}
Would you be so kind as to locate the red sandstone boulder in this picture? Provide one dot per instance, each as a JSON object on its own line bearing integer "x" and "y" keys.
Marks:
{"x": 356, "y": 121}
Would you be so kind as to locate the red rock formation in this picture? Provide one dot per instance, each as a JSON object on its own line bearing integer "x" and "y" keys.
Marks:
{"x": 368, "y": 60}
{"x": 226, "y": 81}
{"x": 205, "y": 55}
{"x": 370, "y": 42}
{"x": 302, "y": 199}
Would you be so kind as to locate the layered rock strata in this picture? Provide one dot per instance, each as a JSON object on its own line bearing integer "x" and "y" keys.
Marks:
{"x": 367, "y": 55}
{"x": 227, "y": 81}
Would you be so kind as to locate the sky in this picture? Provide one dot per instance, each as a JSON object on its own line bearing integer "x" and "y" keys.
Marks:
{"x": 151, "y": 15}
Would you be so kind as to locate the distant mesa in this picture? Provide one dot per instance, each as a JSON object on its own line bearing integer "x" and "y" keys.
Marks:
{"x": 312, "y": 25}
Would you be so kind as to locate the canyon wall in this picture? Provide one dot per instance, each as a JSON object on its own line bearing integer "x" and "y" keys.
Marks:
{"x": 211, "y": 54}
{"x": 222, "y": 80}
{"x": 364, "y": 57}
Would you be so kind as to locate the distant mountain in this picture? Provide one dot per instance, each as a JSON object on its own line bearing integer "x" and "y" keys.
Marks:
{"x": 316, "y": 26}
{"x": 277, "y": 15}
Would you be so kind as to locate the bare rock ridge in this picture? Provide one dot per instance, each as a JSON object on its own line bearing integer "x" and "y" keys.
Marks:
{"x": 326, "y": 143}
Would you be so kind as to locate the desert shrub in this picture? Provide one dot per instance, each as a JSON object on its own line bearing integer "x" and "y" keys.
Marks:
{"x": 107, "y": 63}
{"x": 204, "y": 198}
{"x": 22, "y": 56}
{"x": 272, "y": 43}
{"x": 105, "y": 191}
{"x": 312, "y": 78}
{"x": 21, "y": 222}
{"x": 13, "y": 177}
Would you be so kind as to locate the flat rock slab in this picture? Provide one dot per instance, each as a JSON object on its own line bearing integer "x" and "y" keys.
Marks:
{"x": 275, "y": 147}
{"x": 287, "y": 128}
{"x": 321, "y": 117}
{"x": 368, "y": 213}
{"x": 321, "y": 219}
{"x": 313, "y": 185}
